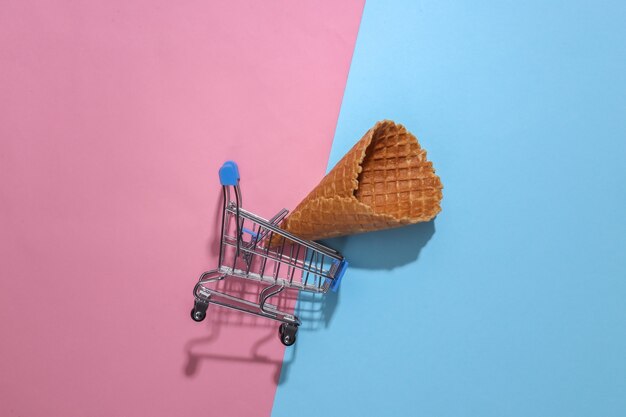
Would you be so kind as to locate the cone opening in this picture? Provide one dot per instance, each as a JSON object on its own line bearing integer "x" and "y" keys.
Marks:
{"x": 384, "y": 181}
{"x": 395, "y": 178}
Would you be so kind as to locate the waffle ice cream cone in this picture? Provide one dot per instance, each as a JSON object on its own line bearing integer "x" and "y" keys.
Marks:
{"x": 384, "y": 181}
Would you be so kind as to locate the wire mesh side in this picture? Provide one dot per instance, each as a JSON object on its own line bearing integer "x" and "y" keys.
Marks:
{"x": 257, "y": 249}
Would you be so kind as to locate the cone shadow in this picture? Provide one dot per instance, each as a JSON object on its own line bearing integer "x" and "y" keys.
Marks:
{"x": 384, "y": 249}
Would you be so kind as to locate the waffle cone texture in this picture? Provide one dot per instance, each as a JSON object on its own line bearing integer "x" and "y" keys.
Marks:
{"x": 384, "y": 181}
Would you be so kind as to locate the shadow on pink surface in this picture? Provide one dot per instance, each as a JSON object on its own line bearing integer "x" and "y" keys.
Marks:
{"x": 315, "y": 311}
{"x": 364, "y": 251}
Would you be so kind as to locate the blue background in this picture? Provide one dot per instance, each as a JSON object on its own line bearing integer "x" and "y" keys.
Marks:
{"x": 513, "y": 302}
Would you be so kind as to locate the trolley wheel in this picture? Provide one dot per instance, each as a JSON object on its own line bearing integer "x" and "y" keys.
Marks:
{"x": 287, "y": 333}
{"x": 197, "y": 315}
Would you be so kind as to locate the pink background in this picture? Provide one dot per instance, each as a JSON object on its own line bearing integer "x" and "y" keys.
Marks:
{"x": 114, "y": 119}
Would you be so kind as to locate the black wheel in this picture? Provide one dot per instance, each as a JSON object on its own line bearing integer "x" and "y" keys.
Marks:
{"x": 197, "y": 315}
{"x": 287, "y": 334}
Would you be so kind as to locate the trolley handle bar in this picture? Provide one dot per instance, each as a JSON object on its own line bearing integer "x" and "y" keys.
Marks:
{"x": 229, "y": 173}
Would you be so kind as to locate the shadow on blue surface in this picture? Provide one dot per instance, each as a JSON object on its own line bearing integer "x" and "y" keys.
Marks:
{"x": 385, "y": 249}
{"x": 382, "y": 250}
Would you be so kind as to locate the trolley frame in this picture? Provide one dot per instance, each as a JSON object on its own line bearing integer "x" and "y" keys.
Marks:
{"x": 254, "y": 248}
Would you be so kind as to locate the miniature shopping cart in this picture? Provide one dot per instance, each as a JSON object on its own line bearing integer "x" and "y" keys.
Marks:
{"x": 254, "y": 248}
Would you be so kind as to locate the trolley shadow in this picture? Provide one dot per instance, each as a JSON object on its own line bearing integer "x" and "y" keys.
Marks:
{"x": 258, "y": 261}
{"x": 385, "y": 249}
{"x": 314, "y": 310}
{"x": 261, "y": 269}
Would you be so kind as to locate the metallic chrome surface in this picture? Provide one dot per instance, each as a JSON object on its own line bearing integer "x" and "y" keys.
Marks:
{"x": 257, "y": 249}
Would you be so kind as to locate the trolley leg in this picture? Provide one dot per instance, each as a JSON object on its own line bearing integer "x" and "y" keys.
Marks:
{"x": 198, "y": 312}
{"x": 287, "y": 333}
{"x": 202, "y": 295}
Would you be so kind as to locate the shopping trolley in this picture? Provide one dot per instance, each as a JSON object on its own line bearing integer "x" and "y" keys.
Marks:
{"x": 254, "y": 248}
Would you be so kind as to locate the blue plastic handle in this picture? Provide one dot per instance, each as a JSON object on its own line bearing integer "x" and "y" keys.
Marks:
{"x": 340, "y": 271}
{"x": 229, "y": 173}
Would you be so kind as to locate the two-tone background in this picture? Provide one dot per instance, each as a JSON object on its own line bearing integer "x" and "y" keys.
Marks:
{"x": 115, "y": 115}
